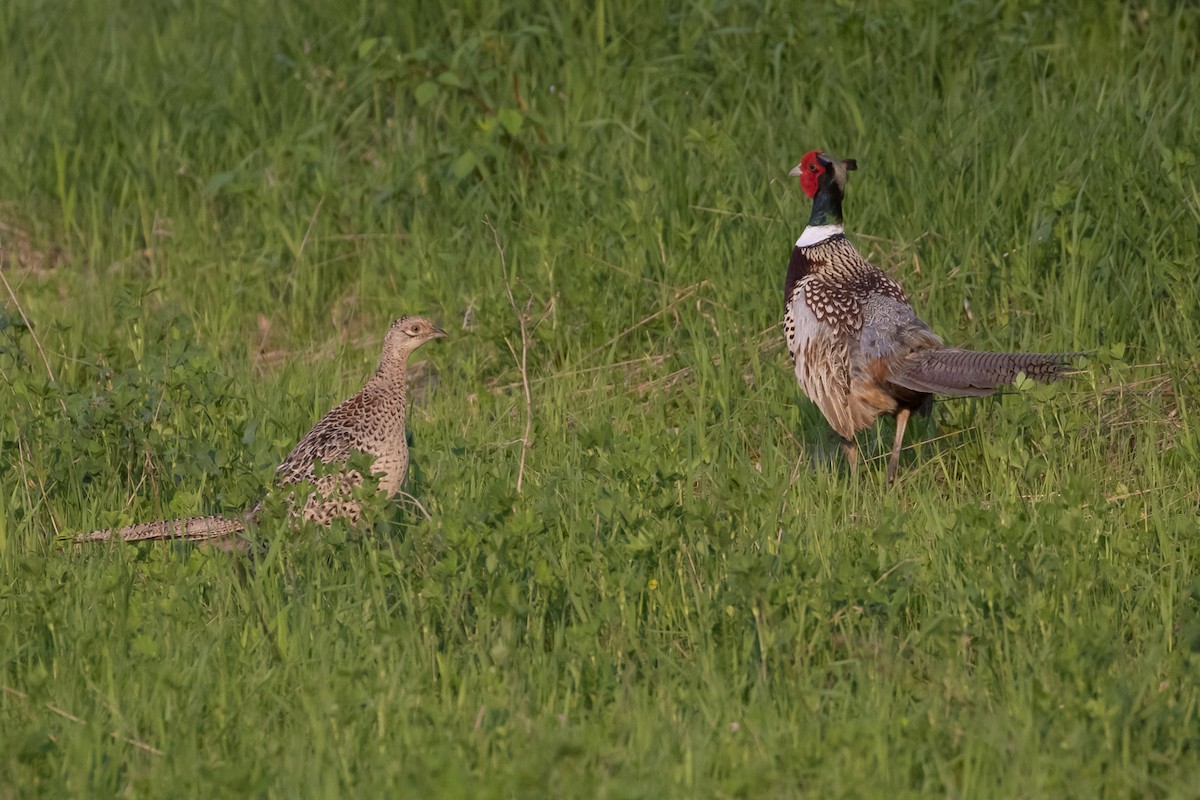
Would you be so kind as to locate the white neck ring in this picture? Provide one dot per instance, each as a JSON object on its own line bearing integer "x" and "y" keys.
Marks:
{"x": 815, "y": 234}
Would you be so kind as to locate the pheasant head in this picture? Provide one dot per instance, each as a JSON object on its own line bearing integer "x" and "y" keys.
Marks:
{"x": 403, "y": 337}
{"x": 824, "y": 180}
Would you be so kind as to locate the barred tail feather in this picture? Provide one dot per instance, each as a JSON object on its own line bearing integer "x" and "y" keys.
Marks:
{"x": 967, "y": 373}
{"x": 192, "y": 529}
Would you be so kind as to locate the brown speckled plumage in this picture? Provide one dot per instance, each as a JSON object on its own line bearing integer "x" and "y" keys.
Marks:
{"x": 858, "y": 348}
{"x": 838, "y": 284}
{"x": 371, "y": 422}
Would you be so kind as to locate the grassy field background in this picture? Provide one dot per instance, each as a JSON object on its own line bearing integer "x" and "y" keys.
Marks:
{"x": 210, "y": 212}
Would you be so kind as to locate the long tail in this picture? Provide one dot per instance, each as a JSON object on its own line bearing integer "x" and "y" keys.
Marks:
{"x": 966, "y": 373}
{"x": 192, "y": 529}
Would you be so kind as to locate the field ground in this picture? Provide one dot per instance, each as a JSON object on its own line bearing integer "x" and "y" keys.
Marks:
{"x": 209, "y": 213}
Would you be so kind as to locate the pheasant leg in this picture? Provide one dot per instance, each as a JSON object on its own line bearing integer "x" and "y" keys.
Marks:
{"x": 901, "y": 423}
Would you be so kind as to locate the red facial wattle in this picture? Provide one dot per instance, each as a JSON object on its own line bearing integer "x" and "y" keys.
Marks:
{"x": 810, "y": 171}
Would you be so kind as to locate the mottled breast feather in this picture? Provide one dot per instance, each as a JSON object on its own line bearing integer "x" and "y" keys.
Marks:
{"x": 837, "y": 281}
{"x": 370, "y": 422}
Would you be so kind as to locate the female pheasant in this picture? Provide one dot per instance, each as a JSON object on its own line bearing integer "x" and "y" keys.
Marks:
{"x": 858, "y": 347}
{"x": 370, "y": 422}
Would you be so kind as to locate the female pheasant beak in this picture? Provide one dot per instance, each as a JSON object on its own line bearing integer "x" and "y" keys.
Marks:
{"x": 438, "y": 332}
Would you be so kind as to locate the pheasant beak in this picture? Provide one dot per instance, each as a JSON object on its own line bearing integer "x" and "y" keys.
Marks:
{"x": 796, "y": 172}
{"x": 438, "y": 333}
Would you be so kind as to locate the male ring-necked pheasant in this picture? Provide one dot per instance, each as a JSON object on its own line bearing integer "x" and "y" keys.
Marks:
{"x": 370, "y": 422}
{"x": 858, "y": 347}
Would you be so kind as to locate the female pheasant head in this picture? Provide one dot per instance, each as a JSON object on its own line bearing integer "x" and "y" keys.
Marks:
{"x": 405, "y": 335}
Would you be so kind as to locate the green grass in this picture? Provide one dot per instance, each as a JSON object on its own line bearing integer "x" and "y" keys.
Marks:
{"x": 209, "y": 213}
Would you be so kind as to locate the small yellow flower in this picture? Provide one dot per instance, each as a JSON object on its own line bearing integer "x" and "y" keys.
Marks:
{"x": 652, "y": 585}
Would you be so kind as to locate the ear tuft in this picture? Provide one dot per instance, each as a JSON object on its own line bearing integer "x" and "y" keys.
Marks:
{"x": 850, "y": 164}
